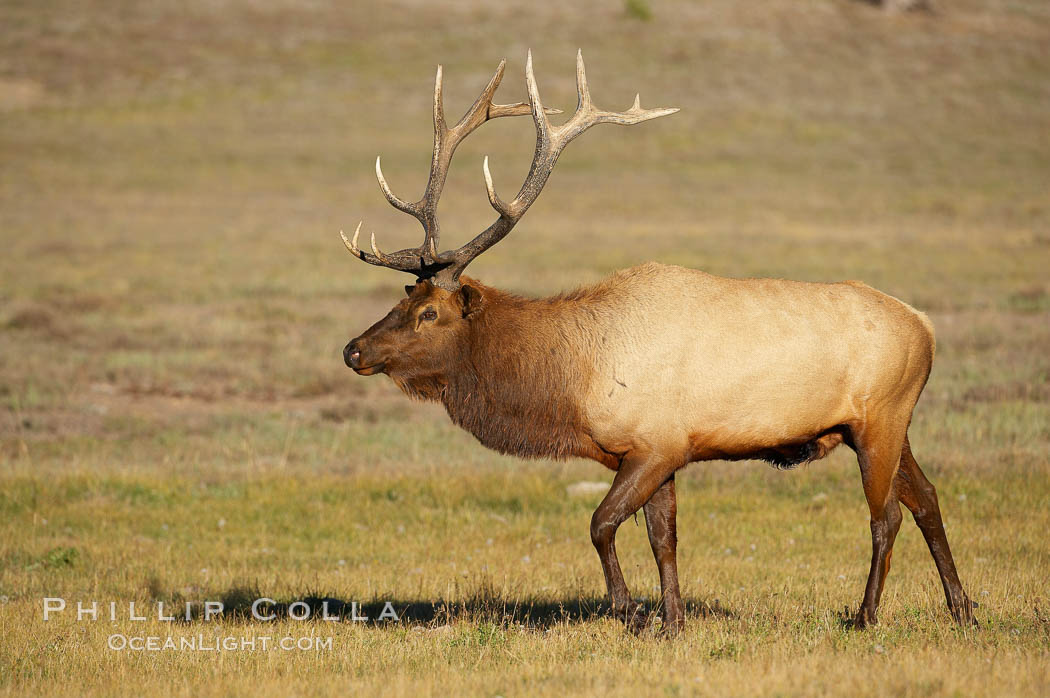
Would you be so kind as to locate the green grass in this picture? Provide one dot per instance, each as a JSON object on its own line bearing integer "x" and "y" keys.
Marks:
{"x": 176, "y": 423}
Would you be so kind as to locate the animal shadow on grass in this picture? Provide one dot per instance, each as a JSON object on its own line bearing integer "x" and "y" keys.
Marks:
{"x": 484, "y": 606}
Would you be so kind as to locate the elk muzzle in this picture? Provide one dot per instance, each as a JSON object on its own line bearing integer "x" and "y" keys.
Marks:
{"x": 352, "y": 357}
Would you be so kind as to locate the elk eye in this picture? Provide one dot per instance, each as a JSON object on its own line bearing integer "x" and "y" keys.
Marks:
{"x": 429, "y": 315}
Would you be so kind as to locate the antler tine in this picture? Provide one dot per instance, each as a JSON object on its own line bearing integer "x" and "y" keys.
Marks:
{"x": 439, "y": 103}
{"x": 479, "y": 110}
{"x": 497, "y": 203}
{"x": 583, "y": 93}
{"x": 543, "y": 125}
{"x": 352, "y": 244}
{"x": 634, "y": 115}
{"x": 375, "y": 250}
{"x": 396, "y": 202}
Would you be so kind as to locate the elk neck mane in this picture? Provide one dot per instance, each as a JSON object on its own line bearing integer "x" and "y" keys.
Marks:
{"x": 525, "y": 368}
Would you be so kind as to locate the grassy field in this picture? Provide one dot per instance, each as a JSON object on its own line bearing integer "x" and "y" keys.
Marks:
{"x": 177, "y": 423}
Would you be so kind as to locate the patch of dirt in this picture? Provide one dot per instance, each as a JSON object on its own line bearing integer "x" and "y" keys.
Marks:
{"x": 82, "y": 302}
{"x": 33, "y": 317}
{"x": 366, "y": 411}
{"x": 19, "y": 94}
{"x": 1031, "y": 299}
{"x": 1003, "y": 392}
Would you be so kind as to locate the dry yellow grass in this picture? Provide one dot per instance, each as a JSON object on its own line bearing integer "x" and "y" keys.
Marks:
{"x": 177, "y": 423}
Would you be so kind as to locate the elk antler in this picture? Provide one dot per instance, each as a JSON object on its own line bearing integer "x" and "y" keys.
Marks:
{"x": 444, "y": 269}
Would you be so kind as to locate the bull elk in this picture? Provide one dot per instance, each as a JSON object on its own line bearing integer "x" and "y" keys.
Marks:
{"x": 655, "y": 367}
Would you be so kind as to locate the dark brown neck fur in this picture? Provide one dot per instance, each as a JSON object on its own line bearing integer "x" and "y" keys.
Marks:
{"x": 518, "y": 379}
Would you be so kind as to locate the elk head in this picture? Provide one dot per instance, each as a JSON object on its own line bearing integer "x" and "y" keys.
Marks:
{"x": 418, "y": 339}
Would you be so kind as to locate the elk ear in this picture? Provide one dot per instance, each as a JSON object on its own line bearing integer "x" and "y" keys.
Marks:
{"x": 469, "y": 299}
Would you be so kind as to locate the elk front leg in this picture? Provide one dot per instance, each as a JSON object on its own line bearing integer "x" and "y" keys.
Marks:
{"x": 635, "y": 482}
{"x": 919, "y": 495}
{"x": 660, "y": 513}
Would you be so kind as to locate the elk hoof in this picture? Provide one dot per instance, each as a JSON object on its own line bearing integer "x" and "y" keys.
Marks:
{"x": 963, "y": 614}
{"x": 635, "y": 618}
{"x": 864, "y": 619}
{"x": 671, "y": 628}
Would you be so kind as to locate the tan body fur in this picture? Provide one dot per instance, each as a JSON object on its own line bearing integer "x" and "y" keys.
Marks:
{"x": 670, "y": 371}
{"x": 659, "y": 366}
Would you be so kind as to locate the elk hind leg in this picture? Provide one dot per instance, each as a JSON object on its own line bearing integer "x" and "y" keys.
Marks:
{"x": 919, "y": 495}
{"x": 660, "y": 513}
{"x": 878, "y": 452}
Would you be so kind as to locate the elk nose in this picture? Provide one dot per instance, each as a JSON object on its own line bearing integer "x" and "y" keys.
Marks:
{"x": 352, "y": 355}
